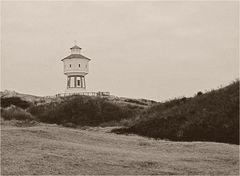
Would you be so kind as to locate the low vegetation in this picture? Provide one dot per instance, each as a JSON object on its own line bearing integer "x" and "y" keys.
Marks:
{"x": 83, "y": 110}
{"x": 213, "y": 116}
{"x": 15, "y": 113}
{"x": 46, "y": 149}
{"x": 16, "y": 101}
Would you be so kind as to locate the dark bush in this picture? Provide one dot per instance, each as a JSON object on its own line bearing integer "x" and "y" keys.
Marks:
{"x": 16, "y": 101}
{"x": 135, "y": 102}
{"x": 16, "y": 113}
{"x": 82, "y": 110}
{"x": 213, "y": 116}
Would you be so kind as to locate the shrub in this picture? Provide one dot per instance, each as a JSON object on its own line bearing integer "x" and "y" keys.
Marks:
{"x": 25, "y": 123}
{"x": 16, "y": 101}
{"x": 82, "y": 110}
{"x": 135, "y": 102}
{"x": 14, "y": 112}
{"x": 213, "y": 116}
{"x": 70, "y": 125}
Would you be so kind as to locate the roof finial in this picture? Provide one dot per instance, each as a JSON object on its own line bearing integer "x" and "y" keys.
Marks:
{"x": 75, "y": 42}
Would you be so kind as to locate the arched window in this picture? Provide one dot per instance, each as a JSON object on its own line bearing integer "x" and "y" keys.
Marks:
{"x": 78, "y": 65}
{"x": 70, "y": 65}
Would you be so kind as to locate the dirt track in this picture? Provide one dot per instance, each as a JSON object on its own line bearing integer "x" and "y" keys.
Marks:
{"x": 45, "y": 150}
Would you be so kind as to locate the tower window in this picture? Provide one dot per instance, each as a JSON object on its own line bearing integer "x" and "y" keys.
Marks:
{"x": 78, "y": 65}
{"x": 70, "y": 65}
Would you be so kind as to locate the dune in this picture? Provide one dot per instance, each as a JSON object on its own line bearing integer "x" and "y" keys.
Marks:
{"x": 47, "y": 149}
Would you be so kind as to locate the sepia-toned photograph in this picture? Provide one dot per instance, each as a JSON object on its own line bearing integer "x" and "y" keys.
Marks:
{"x": 126, "y": 87}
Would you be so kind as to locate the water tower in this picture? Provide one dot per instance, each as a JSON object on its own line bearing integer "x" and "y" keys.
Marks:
{"x": 76, "y": 68}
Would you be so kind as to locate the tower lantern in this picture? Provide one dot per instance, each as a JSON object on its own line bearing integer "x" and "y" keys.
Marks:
{"x": 76, "y": 68}
{"x": 75, "y": 50}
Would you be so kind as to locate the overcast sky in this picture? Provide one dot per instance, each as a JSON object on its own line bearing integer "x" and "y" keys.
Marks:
{"x": 155, "y": 50}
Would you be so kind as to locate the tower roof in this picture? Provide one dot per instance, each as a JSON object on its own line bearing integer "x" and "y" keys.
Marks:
{"x": 75, "y": 47}
{"x": 78, "y": 56}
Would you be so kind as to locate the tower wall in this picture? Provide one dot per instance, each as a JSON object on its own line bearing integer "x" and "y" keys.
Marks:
{"x": 76, "y": 66}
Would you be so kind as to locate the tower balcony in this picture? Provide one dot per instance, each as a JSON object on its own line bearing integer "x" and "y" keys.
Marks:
{"x": 75, "y": 72}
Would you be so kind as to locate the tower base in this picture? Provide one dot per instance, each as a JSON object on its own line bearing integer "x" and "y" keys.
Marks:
{"x": 74, "y": 90}
{"x": 75, "y": 84}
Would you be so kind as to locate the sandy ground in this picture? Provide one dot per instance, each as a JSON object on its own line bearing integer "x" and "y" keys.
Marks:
{"x": 49, "y": 149}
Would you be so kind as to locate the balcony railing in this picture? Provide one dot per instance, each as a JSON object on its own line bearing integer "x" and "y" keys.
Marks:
{"x": 99, "y": 94}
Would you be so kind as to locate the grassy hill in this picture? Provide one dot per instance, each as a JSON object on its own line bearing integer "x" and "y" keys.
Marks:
{"x": 30, "y": 147}
{"x": 45, "y": 149}
{"x": 213, "y": 116}
{"x": 73, "y": 111}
